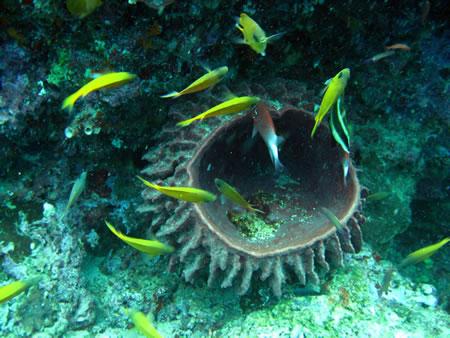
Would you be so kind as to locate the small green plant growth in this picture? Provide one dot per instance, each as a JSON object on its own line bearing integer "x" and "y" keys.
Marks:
{"x": 254, "y": 226}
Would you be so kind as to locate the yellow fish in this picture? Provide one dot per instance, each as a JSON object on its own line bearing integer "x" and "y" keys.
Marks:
{"x": 183, "y": 193}
{"x": 232, "y": 106}
{"x": 335, "y": 89}
{"x": 233, "y": 195}
{"x": 378, "y": 196}
{"x": 149, "y": 247}
{"x": 142, "y": 324}
{"x": 424, "y": 253}
{"x": 82, "y": 8}
{"x": 104, "y": 81}
{"x": 332, "y": 218}
{"x": 77, "y": 190}
{"x": 208, "y": 80}
{"x": 253, "y": 34}
{"x": 15, "y": 288}
{"x": 413, "y": 258}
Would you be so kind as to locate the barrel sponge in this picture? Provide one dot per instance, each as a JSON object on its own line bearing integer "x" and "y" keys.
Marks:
{"x": 303, "y": 247}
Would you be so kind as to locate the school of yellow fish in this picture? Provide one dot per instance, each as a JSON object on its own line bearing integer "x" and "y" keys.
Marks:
{"x": 255, "y": 37}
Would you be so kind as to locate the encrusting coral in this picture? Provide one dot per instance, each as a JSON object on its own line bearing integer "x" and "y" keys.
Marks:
{"x": 205, "y": 238}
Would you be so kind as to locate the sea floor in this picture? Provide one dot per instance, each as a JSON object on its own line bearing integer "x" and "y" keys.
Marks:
{"x": 85, "y": 296}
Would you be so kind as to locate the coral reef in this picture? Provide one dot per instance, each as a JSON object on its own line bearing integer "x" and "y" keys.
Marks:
{"x": 398, "y": 115}
{"x": 57, "y": 255}
{"x": 23, "y": 96}
{"x": 203, "y": 233}
{"x": 350, "y": 308}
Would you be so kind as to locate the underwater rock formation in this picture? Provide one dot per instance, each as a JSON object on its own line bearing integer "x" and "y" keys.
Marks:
{"x": 207, "y": 237}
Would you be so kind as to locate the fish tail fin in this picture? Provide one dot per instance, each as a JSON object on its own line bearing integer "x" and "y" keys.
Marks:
{"x": 279, "y": 167}
{"x": 127, "y": 311}
{"x": 256, "y": 210}
{"x": 187, "y": 122}
{"x": 315, "y": 127}
{"x": 274, "y": 156}
{"x": 33, "y": 280}
{"x": 64, "y": 214}
{"x": 172, "y": 95}
{"x": 275, "y": 37}
{"x": 70, "y": 101}
{"x": 110, "y": 227}
{"x": 113, "y": 229}
{"x": 147, "y": 183}
{"x": 66, "y": 211}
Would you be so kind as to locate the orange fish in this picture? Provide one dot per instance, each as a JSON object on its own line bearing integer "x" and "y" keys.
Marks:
{"x": 399, "y": 46}
{"x": 263, "y": 123}
{"x": 380, "y": 56}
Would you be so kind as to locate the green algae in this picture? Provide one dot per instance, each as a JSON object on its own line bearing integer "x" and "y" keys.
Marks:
{"x": 386, "y": 168}
{"x": 60, "y": 70}
{"x": 8, "y": 231}
{"x": 254, "y": 227}
{"x": 257, "y": 227}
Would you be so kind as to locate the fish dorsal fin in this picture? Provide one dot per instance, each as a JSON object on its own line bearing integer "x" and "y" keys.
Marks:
{"x": 228, "y": 94}
{"x": 223, "y": 199}
{"x": 327, "y": 84}
{"x": 280, "y": 140}
{"x": 316, "y": 108}
{"x": 205, "y": 67}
